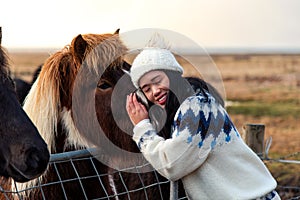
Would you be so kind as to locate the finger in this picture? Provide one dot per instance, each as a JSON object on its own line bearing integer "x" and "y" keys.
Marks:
{"x": 138, "y": 105}
{"x": 129, "y": 104}
{"x": 131, "y": 98}
{"x": 128, "y": 101}
{"x": 144, "y": 109}
{"x": 134, "y": 100}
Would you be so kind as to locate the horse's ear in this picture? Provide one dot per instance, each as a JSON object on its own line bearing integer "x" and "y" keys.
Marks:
{"x": 117, "y": 32}
{"x": 80, "y": 46}
{"x": 0, "y": 34}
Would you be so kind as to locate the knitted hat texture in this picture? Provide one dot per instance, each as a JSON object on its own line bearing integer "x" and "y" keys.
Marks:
{"x": 155, "y": 56}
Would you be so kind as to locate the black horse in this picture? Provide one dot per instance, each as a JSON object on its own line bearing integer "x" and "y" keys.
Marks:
{"x": 23, "y": 153}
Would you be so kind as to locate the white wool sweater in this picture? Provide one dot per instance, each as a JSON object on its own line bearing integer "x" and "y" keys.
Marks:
{"x": 206, "y": 152}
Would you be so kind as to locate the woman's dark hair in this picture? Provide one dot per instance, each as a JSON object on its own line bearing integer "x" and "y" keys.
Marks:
{"x": 180, "y": 89}
{"x": 199, "y": 85}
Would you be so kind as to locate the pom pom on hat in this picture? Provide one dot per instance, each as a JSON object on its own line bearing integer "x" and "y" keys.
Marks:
{"x": 155, "y": 56}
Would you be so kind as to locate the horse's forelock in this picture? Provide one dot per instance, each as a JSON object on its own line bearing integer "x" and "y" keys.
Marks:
{"x": 104, "y": 51}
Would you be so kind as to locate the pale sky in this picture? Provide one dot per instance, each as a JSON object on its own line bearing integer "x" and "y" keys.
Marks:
{"x": 211, "y": 23}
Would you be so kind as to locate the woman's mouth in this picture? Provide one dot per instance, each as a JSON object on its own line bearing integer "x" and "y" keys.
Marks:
{"x": 162, "y": 100}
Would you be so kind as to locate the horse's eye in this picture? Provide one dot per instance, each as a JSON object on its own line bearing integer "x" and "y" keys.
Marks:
{"x": 104, "y": 85}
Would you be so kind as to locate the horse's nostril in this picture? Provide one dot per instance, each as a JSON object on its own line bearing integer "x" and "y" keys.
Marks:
{"x": 33, "y": 160}
{"x": 36, "y": 160}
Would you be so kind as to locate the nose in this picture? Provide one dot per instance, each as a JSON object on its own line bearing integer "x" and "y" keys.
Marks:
{"x": 37, "y": 160}
{"x": 155, "y": 89}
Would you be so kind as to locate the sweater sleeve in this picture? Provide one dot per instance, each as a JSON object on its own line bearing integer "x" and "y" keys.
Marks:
{"x": 180, "y": 155}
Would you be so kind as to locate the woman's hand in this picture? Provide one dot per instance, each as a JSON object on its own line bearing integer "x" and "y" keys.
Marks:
{"x": 136, "y": 111}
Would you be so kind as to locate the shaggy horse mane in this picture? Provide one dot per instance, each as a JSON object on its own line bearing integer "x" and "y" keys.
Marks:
{"x": 50, "y": 99}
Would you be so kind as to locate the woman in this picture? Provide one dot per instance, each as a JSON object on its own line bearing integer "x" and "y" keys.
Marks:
{"x": 204, "y": 148}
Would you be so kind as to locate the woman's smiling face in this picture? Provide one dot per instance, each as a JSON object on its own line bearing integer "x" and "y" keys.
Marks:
{"x": 155, "y": 85}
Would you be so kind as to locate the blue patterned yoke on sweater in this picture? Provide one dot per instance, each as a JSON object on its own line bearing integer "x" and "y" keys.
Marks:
{"x": 211, "y": 121}
{"x": 199, "y": 116}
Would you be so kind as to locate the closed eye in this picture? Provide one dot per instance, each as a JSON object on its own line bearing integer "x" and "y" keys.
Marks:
{"x": 146, "y": 89}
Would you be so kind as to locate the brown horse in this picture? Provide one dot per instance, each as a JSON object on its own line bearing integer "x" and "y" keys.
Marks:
{"x": 23, "y": 153}
{"x": 80, "y": 80}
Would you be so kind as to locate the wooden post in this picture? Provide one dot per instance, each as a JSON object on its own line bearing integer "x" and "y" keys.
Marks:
{"x": 253, "y": 135}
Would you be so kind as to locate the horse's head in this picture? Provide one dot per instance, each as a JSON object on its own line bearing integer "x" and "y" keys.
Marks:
{"x": 78, "y": 80}
{"x": 100, "y": 91}
{"x": 23, "y": 153}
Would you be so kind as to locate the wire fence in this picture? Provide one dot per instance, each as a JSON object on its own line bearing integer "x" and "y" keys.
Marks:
{"x": 286, "y": 191}
{"x": 98, "y": 185}
{"x": 289, "y": 189}
{"x": 72, "y": 182}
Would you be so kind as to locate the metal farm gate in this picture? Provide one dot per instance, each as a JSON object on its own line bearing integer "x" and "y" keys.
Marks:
{"x": 71, "y": 159}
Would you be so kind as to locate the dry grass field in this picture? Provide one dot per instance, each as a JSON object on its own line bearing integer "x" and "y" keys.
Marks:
{"x": 269, "y": 85}
{"x": 263, "y": 89}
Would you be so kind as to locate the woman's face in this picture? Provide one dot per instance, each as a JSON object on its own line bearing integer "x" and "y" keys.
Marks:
{"x": 155, "y": 85}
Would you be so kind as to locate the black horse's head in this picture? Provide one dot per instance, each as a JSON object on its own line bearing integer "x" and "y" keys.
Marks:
{"x": 23, "y": 153}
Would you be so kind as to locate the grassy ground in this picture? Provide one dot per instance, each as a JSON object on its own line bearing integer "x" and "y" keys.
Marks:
{"x": 262, "y": 89}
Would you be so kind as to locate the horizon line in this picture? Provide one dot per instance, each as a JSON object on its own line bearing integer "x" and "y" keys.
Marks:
{"x": 209, "y": 50}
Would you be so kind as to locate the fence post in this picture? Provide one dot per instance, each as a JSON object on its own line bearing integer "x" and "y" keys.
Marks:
{"x": 253, "y": 135}
{"x": 173, "y": 190}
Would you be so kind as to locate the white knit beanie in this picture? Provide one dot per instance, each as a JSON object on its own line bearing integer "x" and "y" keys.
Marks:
{"x": 155, "y": 56}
